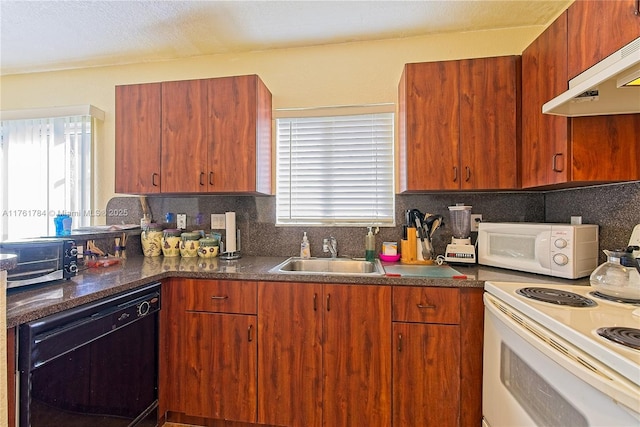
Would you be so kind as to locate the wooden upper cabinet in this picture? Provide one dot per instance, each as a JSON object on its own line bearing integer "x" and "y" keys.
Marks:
{"x": 490, "y": 123}
{"x": 429, "y": 126}
{"x": 184, "y": 136}
{"x": 545, "y": 137}
{"x": 597, "y": 28}
{"x": 138, "y": 138}
{"x": 454, "y": 118}
{"x": 239, "y": 135}
{"x": 567, "y": 152}
{"x": 194, "y": 136}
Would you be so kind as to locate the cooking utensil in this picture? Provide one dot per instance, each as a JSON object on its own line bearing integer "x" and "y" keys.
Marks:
{"x": 422, "y": 234}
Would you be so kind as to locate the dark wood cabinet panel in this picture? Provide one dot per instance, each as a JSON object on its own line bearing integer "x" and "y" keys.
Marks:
{"x": 220, "y": 368}
{"x": 290, "y": 354}
{"x": 11, "y": 376}
{"x": 455, "y": 117}
{"x": 184, "y": 136}
{"x": 324, "y": 354}
{"x": 490, "y": 123}
{"x": 357, "y": 357}
{"x": 426, "y": 375}
{"x": 221, "y": 296}
{"x": 597, "y": 28}
{"x": 428, "y": 121}
{"x": 426, "y": 305}
{"x": 545, "y": 137}
{"x": 138, "y": 138}
{"x": 240, "y": 135}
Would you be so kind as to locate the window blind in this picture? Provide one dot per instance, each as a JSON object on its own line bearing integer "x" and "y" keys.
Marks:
{"x": 335, "y": 170}
{"x": 45, "y": 165}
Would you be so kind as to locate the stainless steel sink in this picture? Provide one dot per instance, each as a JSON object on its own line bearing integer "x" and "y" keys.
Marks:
{"x": 331, "y": 266}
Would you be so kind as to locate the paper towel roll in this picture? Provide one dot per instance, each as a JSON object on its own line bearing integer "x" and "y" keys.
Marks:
{"x": 230, "y": 230}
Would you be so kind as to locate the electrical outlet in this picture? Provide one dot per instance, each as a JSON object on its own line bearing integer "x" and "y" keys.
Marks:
{"x": 217, "y": 222}
{"x": 476, "y": 219}
{"x": 181, "y": 220}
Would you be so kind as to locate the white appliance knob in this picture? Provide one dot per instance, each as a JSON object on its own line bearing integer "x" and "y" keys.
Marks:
{"x": 560, "y": 243}
{"x": 560, "y": 259}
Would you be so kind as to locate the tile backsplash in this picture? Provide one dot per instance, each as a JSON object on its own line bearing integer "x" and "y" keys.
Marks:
{"x": 615, "y": 208}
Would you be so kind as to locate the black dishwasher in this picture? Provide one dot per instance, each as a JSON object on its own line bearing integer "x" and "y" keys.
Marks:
{"x": 94, "y": 365}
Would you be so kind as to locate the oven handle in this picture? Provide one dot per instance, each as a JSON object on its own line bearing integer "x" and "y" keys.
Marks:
{"x": 576, "y": 361}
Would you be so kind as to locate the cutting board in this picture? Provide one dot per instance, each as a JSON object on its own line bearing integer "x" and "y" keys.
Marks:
{"x": 437, "y": 271}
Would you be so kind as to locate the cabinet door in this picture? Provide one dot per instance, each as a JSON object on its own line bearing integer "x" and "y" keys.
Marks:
{"x": 290, "y": 354}
{"x": 357, "y": 356}
{"x": 138, "y": 138}
{"x": 489, "y": 118}
{"x": 220, "y": 366}
{"x": 429, "y": 127}
{"x": 426, "y": 375}
{"x": 184, "y": 136}
{"x": 239, "y": 109}
{"x": 597, "y": 28}
{"x": 545, "y": 153}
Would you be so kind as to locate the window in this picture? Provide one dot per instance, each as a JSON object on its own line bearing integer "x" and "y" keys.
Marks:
{"x": 45, "y": 167}
{"x": 335, "y": 170}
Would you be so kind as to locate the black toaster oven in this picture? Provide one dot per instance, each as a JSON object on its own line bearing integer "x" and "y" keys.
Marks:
{"x": 41, "y": 261}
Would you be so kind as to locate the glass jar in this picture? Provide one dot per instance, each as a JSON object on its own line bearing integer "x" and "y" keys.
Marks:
{"x": 171, "y": 242}
{"x": 189, "y": 244}
{"x": 151, "y": 239}
{"x": 614, "y": 279}
{"x": 208, "y": 248}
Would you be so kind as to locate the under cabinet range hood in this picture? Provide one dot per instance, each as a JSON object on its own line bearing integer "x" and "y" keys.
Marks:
{"x": 612, "y": 86}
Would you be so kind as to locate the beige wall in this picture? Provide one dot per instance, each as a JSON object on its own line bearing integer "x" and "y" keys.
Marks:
{"x": 343, "y": 74}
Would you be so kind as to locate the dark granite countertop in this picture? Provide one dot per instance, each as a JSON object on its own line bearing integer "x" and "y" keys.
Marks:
{"x": 96, "y": 283}
{"x": 8, "y": 261}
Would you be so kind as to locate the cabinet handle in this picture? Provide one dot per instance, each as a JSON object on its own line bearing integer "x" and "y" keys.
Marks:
{"x": 468, "y": 169}
{"x": 455, "y": 174}
{"x": 399, "y": 343}
{"x": 554, "y": 165}
{"x": 220, "y": 297}
{"x": 202, "y": 178}
{"x": 328, "y": 302}
{"x": 637, "y": 11}
{"x": 153, "y": 179}
{"x": 315, "y": 302}
{"x": 420, "y": 305}
{"x": 250, "y": 333}
{"x": 210, "y": 178}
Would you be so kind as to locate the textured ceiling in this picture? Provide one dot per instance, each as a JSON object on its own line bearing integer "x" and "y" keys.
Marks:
{"x": 50, "y": 35}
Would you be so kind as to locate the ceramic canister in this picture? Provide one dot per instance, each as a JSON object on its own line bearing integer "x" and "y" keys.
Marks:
{"x": 208, "y": 248}
{"x": 171, "y": 242}
{"x": 151, "y": 239}
{"x": 189, "y": 245}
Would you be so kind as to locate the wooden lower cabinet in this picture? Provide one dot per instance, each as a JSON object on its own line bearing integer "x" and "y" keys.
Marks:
{"x": 324, "y": 354}
{"x": 426, "y": 375}
{"x": 208, "y": 358}
{"x": 242, "y": 353}
{"x": 437, "y": 356}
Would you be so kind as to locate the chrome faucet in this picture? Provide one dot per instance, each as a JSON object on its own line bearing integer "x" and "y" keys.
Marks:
{"x": 330, "y": 245}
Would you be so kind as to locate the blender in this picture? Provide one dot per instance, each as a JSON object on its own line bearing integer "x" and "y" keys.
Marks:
{"x": 460, "y": 250}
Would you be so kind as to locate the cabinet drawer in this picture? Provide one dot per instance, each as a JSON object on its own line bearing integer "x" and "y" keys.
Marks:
{"x": 426, "y": 305}
{"x": 221, "y": 296}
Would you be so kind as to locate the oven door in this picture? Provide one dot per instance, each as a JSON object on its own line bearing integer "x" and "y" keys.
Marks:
{"x": 533, "y": 378}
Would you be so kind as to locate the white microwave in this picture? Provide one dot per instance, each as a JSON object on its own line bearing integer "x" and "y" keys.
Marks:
{"x": 560, "y": 250}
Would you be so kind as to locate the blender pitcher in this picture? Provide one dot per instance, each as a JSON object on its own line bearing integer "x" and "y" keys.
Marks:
{"x": 460, "y": 223}
{"x": 460, "y": 250}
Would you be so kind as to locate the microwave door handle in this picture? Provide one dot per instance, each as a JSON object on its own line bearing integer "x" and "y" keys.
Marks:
{"x": 543, "y": 257}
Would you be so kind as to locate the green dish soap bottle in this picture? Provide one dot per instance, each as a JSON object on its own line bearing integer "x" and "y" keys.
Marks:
{"x": 370, "y": 246}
